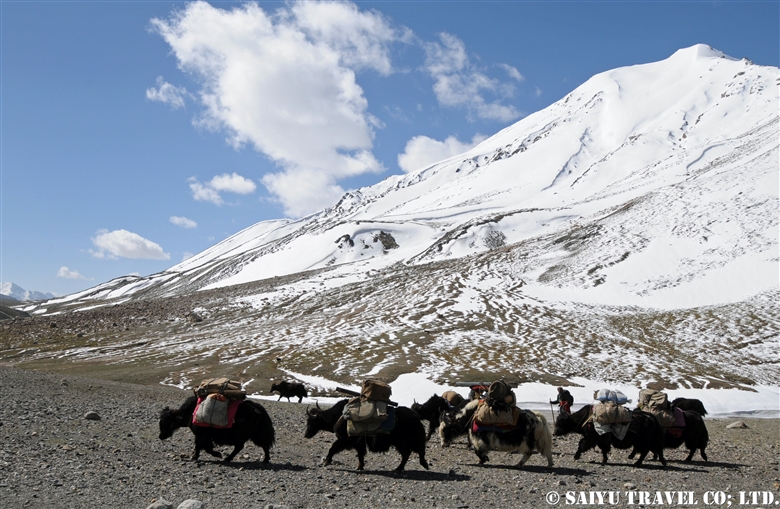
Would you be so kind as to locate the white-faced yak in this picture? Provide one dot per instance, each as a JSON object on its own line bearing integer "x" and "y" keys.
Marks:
{"x": 252, "y": 422}
{"x": 530, "y": 434}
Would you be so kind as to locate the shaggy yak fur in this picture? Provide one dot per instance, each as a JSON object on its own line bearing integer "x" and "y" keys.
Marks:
{"x": 694, "y": 435}
{"x": 290, "y": 390}
{"x": 407, "y": 436}
{"x": 252, "y": 422}
{"x": 431, "y": 411}
{"x": 531, "y": 434}
{"x": 689, "y": 404}
{"x": 644, "y": 434}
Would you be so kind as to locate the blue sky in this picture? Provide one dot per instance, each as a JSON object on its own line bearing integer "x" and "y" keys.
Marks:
{"x": 135, "y": 134}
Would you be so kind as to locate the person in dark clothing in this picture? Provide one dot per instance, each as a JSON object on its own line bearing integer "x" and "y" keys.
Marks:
{"x": 565, "y": 400}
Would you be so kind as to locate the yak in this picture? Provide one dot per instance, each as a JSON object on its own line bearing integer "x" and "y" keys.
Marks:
{"x": 644, "y": 434}
{"x": 252, "y": 422}
{"x": 406, "y": 437}
{"x": 431, "y": 411}
{"x": 290, "y": 390}
{"x": 690, "y": 404}
{"x": 530, "y": 434}
{"x": 694, "y": 435}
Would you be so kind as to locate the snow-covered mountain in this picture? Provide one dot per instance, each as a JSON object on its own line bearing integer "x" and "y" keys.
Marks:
{"x": 17, "y": 292}
{"x": 663, "y": 177}
{"x": 627, "y": 232}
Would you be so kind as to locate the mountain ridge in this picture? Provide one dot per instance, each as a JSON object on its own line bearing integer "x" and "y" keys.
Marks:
{"x": 626, "y": 233}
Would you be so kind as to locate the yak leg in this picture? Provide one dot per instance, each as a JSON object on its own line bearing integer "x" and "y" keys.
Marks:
{"x": 338, "y": 446}
{"x": 523, "y": 460}
{"x": 232, "y": 455}
{"x": 583, "y": 446}
{"x": 360, "y": 448}
{"x": 423, "y": 461}
{"x": 204, "y": 444}
{"x": 267, "y": 454}
{"x": 642, "y": 455}
{"x": 405, "y": 453}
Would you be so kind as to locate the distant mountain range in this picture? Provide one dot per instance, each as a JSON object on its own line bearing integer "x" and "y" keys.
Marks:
{"x": 629, "y": 232}
{"x": 18, "y": 293}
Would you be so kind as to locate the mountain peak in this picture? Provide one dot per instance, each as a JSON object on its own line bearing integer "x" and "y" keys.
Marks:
{"x": 699, "y": 51}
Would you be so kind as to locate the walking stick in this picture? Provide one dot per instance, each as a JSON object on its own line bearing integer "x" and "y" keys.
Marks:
{"x": 552, "y": 412}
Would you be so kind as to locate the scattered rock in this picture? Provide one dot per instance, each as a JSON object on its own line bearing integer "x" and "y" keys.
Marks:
{"x": 738, "y": 425}
{"x": 191, "y": 504}
{"x": 92, "y": 416}
{"x": 160, "y": 504}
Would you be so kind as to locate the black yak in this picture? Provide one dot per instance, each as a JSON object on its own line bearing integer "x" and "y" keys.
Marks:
{"x": 644, "y": 434}
{"x": 318, "y": 419}
{"x": 290, "y": 390}
{"x": 252, "y": 422}
{"x": 431, "y": 411}
{"x": 406, "y": 437}
{"x": 690, "y": 404}
{"x": 694, "y": 435}
{"x": 530, "y": 434}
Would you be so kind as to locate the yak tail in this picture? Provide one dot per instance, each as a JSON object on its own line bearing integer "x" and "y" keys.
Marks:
{"x": 543, "y": 438}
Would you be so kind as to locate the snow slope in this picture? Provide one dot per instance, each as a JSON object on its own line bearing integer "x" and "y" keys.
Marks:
{"x": 628, "y": 233}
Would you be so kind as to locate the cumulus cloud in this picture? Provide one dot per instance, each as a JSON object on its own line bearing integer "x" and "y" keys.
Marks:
{"x": 458, "y": 83}
{"x": 422, "y": 151}
{"x": 285, "y": 84}
{"x": 183, "y": 222}
{"x": 168, "y": 94}
{"x": 229, "y": 183}
{"x": 125, "y": 244}
{"x": 69, "y": 274}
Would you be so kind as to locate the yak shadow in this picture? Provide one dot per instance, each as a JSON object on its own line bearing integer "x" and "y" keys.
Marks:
{"x": 702, "y": 463}
{"x": 413, "y": 475}
{"x": 256, "y": 465}
{"x": 536, "y": 469}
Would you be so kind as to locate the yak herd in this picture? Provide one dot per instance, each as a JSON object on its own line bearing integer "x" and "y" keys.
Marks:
{"x": 451, "y": 416}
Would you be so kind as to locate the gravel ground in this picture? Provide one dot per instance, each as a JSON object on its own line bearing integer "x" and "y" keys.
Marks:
{"x": 52, "y": 456}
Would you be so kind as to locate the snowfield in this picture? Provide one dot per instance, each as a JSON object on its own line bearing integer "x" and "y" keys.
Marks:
{"x": 626, "y": 236}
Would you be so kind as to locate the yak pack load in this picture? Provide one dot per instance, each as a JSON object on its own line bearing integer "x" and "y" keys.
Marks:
{"x": 231, "y": 389}
{"x": 372, "y": 412}
{"x": 657, "y": 403}
{"x": 609, "y": 414}
{"x": 610, "y": 409}
{"x": 218, "y": 400}
{"x": 499, "y": 407}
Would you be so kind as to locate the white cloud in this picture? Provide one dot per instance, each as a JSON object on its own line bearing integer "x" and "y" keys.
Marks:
{"x": 422, "y": 151}
{"x": 233, "y": 183}
{"x": 229, "y": 183}
{"x": 285, "y": 84}
{"x": 459, "y": 83}
{"x": 125, "y": 244}
{"x": 69, "y": 274}
{"x": 512, "y": 72}
{"x": 168, "y": 94}
{"x": 183, "y": 222}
